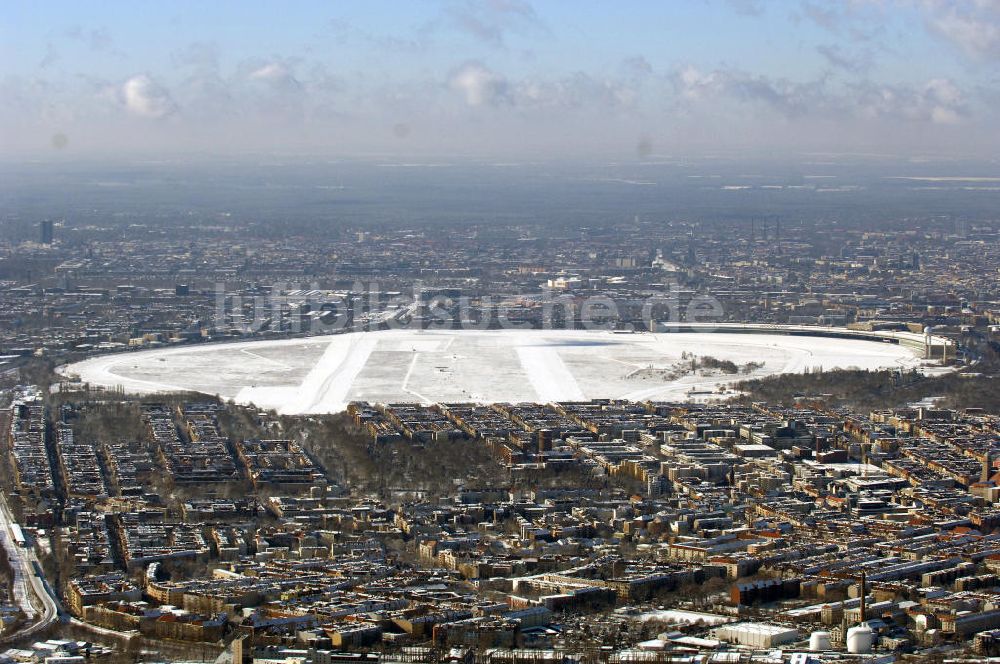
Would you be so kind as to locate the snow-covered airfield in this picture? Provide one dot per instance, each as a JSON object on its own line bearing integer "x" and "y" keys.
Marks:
{"x": 324, "y": 374}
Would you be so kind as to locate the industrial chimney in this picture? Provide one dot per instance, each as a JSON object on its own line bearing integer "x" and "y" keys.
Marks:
{"x": 864, "y": 602}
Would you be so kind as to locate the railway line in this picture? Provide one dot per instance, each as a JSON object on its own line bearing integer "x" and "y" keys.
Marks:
{"x": 31, "y": 592}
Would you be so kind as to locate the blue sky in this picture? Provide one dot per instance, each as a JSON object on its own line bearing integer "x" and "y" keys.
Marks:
{"x": 501, "y": 77}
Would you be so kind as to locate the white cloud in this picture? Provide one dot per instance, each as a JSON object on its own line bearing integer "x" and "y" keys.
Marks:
{"x": 938, "y": 101}
{"x": 272, "y": 71}
{"x": 972, "y": 26}
{"x": 788, "y": 97}
{"x": 693, "y": 84}
{"x": 279, "y": 76}
{"x": 480, "y": 86}
{"x": 838, "y": 58}
{"x": 856, "y": 20}
{"x": 143, "y": 97}
{"x": 490, "y": 21}
{"x": 945, "y": 101}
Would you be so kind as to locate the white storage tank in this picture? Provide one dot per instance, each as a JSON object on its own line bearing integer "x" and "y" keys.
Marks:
{"x": 860, "y": 640}
{"x": 820, "y": 642}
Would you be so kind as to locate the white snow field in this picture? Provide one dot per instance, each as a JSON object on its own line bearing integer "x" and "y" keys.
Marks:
{"x": 324, "y": 374}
